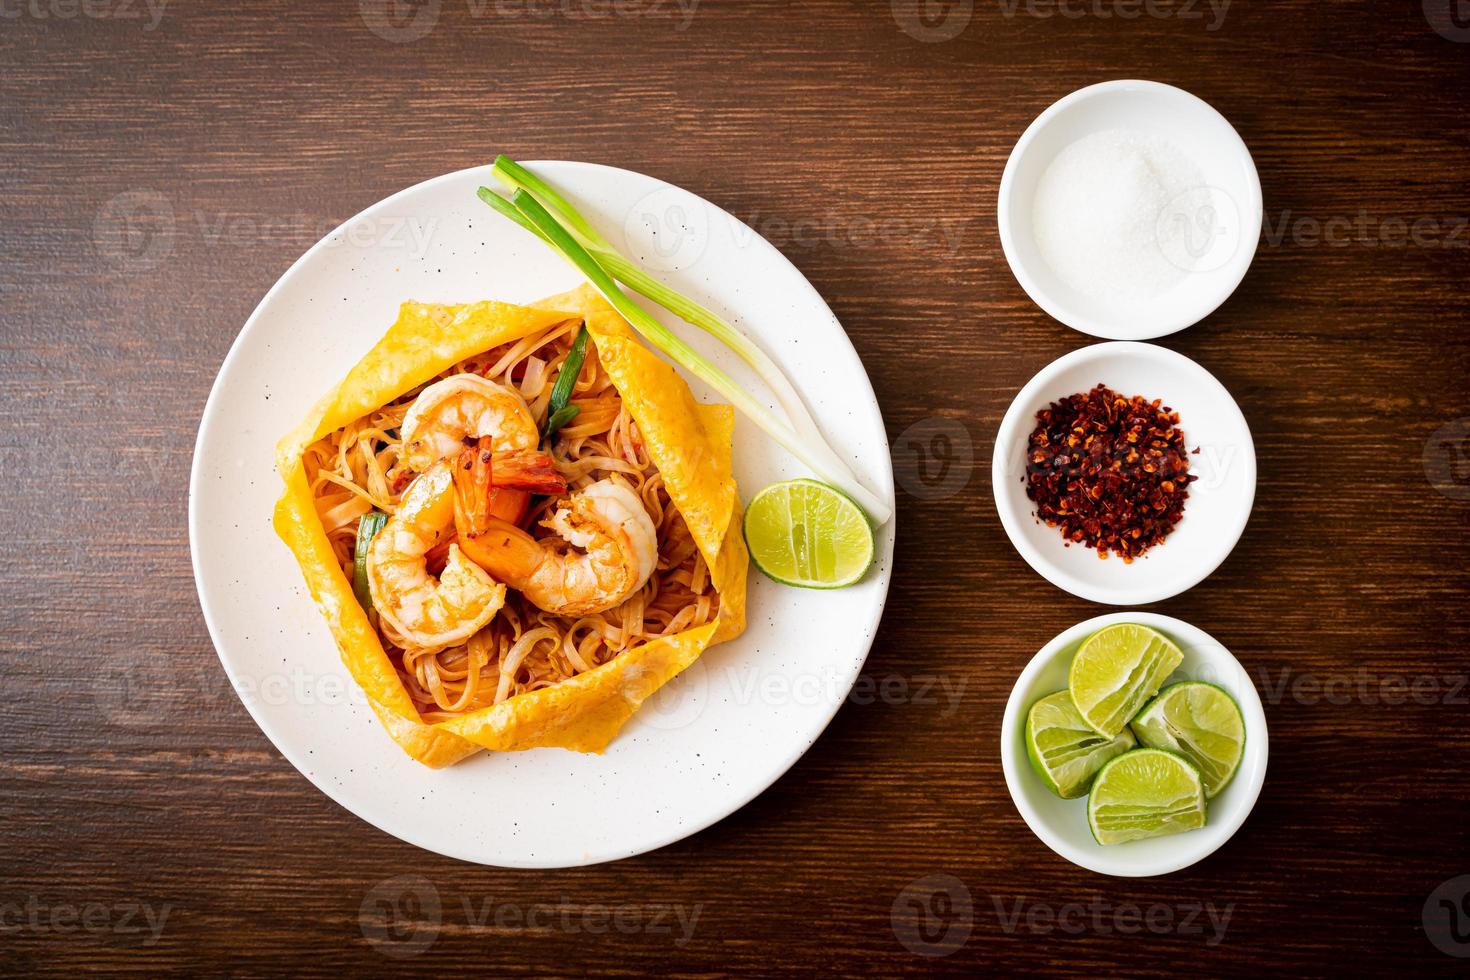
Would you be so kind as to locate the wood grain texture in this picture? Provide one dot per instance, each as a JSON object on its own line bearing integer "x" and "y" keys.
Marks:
{"x": 256, "y": 126}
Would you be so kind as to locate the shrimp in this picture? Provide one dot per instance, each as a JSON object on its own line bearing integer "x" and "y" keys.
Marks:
{"x": 607, "y": 521}
{"x": 428, "y": 612}
{"x": 488, "y": 430}
{"x": 462, "y": 409}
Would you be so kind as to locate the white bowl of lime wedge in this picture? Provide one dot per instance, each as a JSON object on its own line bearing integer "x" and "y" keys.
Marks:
{"x": 1226, "y": 797}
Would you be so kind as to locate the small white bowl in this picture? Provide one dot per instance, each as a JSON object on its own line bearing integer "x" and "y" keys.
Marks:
{"x": 1062, "y": 824}
{"x": 1224, "y": 220}
{"x": 1219, "y": 503}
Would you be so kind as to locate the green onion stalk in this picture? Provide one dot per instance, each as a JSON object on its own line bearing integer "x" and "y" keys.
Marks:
{"x": 531, "y": 207}
{"x": 514, "y": 176}
{"x": 661, "y": 337}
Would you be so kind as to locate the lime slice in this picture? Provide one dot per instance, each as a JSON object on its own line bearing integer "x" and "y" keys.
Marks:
{"x": 1065, "y": 753}
{"x": 1200, "y": 722}
{"x": 1145, "y": 793}
{"x": 807, "y": 534}
{"x": 1116, "y": 670}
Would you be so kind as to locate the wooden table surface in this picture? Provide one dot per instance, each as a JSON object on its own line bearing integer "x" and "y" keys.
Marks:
{"x": 165, "y": 163}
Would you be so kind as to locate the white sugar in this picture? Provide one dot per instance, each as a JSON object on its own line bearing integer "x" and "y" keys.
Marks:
{"x": 1100, "y": 216}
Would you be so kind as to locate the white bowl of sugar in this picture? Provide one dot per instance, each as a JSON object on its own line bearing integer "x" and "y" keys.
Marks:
{"x": 1129, "y": 210}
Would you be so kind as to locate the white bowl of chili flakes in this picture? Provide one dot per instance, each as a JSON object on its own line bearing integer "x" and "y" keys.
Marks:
{"x": 1064, "y": 505}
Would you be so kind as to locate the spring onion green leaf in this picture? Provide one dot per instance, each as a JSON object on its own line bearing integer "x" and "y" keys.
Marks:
{"x": 367, "y": 528}
{"x": 667, "y": 342}
{"x": 561, "y": 392}
{"x": 559, "y": 418}
{"x": 558, "y": 411}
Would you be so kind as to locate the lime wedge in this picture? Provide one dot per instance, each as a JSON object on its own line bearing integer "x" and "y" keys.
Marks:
{"x": 1200, "y": 722}
{"x": 1145, "y": 793}
{"x": 807, "y": 534}
{"x": 1065, "y": 753}
{"x": 1116, "y": 670}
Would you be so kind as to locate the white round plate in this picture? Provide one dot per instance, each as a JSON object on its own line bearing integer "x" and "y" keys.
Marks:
{"x": 1219, "y": 503}
{"x": 713, "y": 738}
{"x": 1062, "y": 824}
{"x": 1222, "y": 219}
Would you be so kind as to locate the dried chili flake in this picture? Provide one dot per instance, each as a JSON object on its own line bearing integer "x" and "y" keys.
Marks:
{"x": 1109, "y": 472}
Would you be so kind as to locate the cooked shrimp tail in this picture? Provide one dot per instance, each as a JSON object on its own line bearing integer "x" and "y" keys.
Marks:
{"x": 532, "y": 471}
{"x": 613, "y": 551}
{"x": 490, "y": 484}
{"x": 472, "y": 486}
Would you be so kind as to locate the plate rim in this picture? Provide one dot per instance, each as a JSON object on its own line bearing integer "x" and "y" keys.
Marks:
{"x": 209, "y": 417}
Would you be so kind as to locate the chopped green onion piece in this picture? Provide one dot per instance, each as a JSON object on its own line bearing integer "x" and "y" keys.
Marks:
{"x": 561, "y": 392}
{"x": 662, "y": 338}
{"x": 372, "y": 522}
{"x": 559, "y": 418}
{"x": 558, "y": 411}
